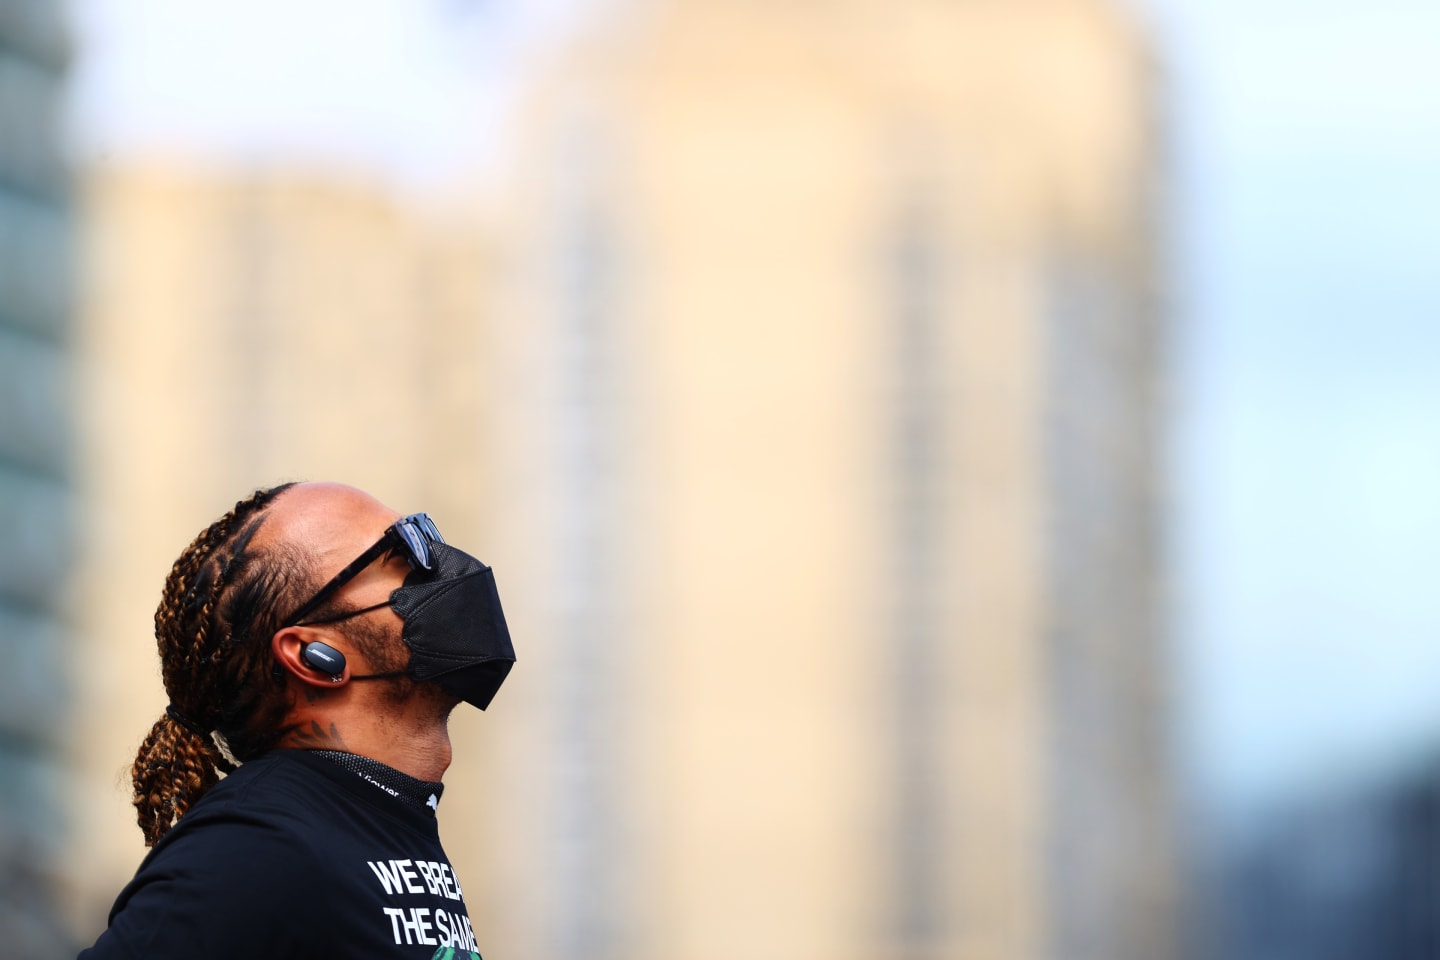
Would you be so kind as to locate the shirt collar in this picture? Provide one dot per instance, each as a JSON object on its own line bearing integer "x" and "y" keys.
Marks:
{"x": 424, "y": 794}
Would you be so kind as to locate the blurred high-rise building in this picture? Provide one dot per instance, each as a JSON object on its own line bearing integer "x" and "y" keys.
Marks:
{"x": 1337, "y": 873}
{"x": 804, "y": 394}
{"x": 241, "y": 328}
{"x": 35, "y": 472}
{"x": 831, "y": 348}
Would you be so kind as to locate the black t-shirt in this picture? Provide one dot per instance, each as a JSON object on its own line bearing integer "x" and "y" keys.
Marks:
{"x": 293, "y": 856}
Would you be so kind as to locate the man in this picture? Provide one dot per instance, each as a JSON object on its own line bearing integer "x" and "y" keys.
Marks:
{"x": 312, "y": 643}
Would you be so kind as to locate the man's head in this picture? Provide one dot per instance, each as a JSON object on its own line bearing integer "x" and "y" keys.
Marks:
{"x": 230, "y": 661}
{"x": 452, "y": 638}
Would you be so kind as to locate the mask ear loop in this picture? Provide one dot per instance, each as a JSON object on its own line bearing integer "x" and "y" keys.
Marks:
{"x": 355, "y": 613}
{"x": 388, "y": 675}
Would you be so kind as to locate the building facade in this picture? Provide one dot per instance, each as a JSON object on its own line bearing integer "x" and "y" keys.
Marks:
{"x": 833, "y": 350}
{"x": 36, "y": 501}
{"x": 1336, "y": 873}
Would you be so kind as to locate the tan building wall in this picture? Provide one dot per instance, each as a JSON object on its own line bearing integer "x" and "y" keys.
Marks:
{"x": 830, "y": 343}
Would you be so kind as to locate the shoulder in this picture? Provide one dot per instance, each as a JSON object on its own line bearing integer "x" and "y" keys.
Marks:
{"x": 284, "y": 802}
{"x": 248, "y": 850}
{"x": 258, "y": 818}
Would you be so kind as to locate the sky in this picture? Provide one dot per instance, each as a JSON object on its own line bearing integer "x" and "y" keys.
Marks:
{"x": 1304, "y": 212}
{"x": 1307, "y": 455}
{"x": 412, "y": 89}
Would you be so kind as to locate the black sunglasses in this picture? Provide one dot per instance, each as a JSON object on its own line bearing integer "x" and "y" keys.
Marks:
{"x": 411, "y": 536}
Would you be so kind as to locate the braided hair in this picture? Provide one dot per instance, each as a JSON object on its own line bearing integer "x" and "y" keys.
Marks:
{"x": 221, "y": 603}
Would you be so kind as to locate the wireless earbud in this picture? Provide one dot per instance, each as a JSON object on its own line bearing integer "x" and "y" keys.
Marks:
{"x": 323, "y": 657}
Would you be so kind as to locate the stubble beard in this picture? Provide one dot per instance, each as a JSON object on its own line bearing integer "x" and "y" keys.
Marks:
{"x": 384, "y": 648}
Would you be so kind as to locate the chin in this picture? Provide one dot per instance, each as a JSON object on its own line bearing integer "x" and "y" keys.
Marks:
{"x": 442, "y": 701}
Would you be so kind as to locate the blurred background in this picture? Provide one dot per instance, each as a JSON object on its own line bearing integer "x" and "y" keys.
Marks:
{"x": 962, "y": 476}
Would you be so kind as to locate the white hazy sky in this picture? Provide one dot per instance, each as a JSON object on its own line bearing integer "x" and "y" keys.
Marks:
{"x": 1308, "y": 454}
{"x": 1306, "y": 208}
{"x": 410, "y": 88}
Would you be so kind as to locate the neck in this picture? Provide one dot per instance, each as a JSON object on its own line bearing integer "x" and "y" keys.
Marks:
{"x": 411, "y": 739}
{"x": 423, "y": 754}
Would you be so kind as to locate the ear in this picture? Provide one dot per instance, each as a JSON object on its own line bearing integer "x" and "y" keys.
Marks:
{"x": 288, "y": 647}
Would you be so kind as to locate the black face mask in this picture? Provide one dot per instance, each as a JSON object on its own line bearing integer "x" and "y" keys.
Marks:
{"x": 454, "y": 627}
